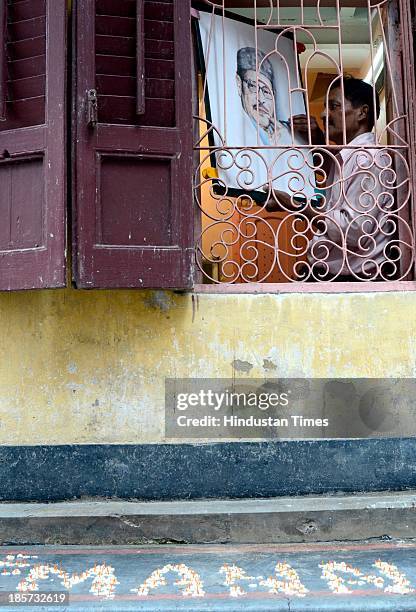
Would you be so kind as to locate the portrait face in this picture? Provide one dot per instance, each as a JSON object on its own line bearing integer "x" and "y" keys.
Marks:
{"x": 259, "y": 107}
{"x": 354, "y": 117}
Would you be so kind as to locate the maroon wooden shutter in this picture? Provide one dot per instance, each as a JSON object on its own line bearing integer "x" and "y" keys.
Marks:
{"x": 133, "y": 180}
{"x": 32, "y": 143}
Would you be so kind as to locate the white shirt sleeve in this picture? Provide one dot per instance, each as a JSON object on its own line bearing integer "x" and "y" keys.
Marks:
{"x": 353, "y": 215}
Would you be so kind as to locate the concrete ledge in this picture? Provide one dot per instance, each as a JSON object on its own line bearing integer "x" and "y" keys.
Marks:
{"x": 279, "y": 520}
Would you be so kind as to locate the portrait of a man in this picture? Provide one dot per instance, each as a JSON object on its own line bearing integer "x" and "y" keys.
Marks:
{"x": 252, "y": 90}
{"x": 257, "y": 94}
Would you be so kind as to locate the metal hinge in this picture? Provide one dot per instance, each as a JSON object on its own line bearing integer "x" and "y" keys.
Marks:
{"x": 92, "y": 107}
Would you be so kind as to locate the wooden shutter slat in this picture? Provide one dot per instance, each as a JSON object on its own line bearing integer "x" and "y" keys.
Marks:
{"x": 158, "y": 30}
{"x": 125, "y": 65}
{"x": 161, "y": 112}
{"x": 154, "y": 68}
{"x": 116, "y": 85}
{"x": 133, "y": 209}
{"x": 115, "y": 65}
{"x": 3, "y": 56}
{"x": 28, "y": 67}
{"x": 126, "y": 86}
{"x": 160, "y": 88}
{"x": 28, "y": 29}
{"x": 158, "y": 49}
{"x": 158, "y": 11}
{"x": 120, "y": 9}
{"x": 31, "y": 87}
{"x": 28, "y": 9}
{"x": 140, "y": 61}
{"x": 23, "y": 113}
{"x": 30, "y": 47}
{"x": 160, "y": 69}
{"x": 115, "y": 45}
{"x": 115, "y": 26}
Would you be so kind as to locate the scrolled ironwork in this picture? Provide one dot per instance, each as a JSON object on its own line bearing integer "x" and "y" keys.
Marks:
{"x": 344, "y": 208}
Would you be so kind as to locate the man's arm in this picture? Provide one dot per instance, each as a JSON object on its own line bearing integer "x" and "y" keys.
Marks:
{"x": 283, "y": 202}
{"x": 301, "y": 127}
{"x": 355, "y": 205}
{"x": 353, "y": 208}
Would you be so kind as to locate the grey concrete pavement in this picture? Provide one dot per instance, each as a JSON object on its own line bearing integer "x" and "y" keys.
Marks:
{"x": 319, "y": 577}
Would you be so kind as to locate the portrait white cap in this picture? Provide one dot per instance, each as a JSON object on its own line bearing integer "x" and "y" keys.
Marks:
{"x": 246, "y": 60}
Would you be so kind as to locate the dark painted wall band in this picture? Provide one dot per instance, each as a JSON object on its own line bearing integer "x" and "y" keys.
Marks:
{"x": 192, "y": 471}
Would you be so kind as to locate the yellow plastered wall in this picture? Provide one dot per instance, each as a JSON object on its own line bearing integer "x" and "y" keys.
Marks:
{"x": 89, "y": 366}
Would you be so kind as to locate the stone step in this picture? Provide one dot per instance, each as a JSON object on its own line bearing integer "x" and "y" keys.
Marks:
{"x": 278, "y": 520}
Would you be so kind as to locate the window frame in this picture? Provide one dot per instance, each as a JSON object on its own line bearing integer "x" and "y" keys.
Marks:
{"x": 406, "y": 60}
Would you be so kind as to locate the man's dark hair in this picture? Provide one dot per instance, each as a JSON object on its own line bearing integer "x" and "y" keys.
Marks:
{"x": 359, "y": 93}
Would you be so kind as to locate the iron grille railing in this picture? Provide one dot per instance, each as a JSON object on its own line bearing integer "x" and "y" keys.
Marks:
{"x": 282, "y": 198}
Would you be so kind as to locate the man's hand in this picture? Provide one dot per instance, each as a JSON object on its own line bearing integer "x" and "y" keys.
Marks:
{"x": 280, "y": 200}
{"x": 300, "y": 126}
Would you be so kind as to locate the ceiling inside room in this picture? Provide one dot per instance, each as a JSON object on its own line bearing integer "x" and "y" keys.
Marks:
{"x": 355, "y": 35}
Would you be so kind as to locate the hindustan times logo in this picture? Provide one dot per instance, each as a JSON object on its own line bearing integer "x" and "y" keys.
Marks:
{"x": 297, "y": 421}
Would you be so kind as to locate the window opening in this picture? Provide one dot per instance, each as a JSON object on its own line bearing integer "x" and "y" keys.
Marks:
{"x": 304, "y": 169}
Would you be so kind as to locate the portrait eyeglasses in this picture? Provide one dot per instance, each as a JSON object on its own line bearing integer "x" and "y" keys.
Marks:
{"x": 252, "y": 87}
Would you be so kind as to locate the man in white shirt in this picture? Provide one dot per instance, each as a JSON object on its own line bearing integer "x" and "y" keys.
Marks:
{"x": 351, "y": 227}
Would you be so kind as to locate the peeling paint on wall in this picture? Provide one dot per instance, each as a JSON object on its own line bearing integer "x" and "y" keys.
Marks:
{"x": 268, "y": 364}
{"x": 242, "y": 366}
